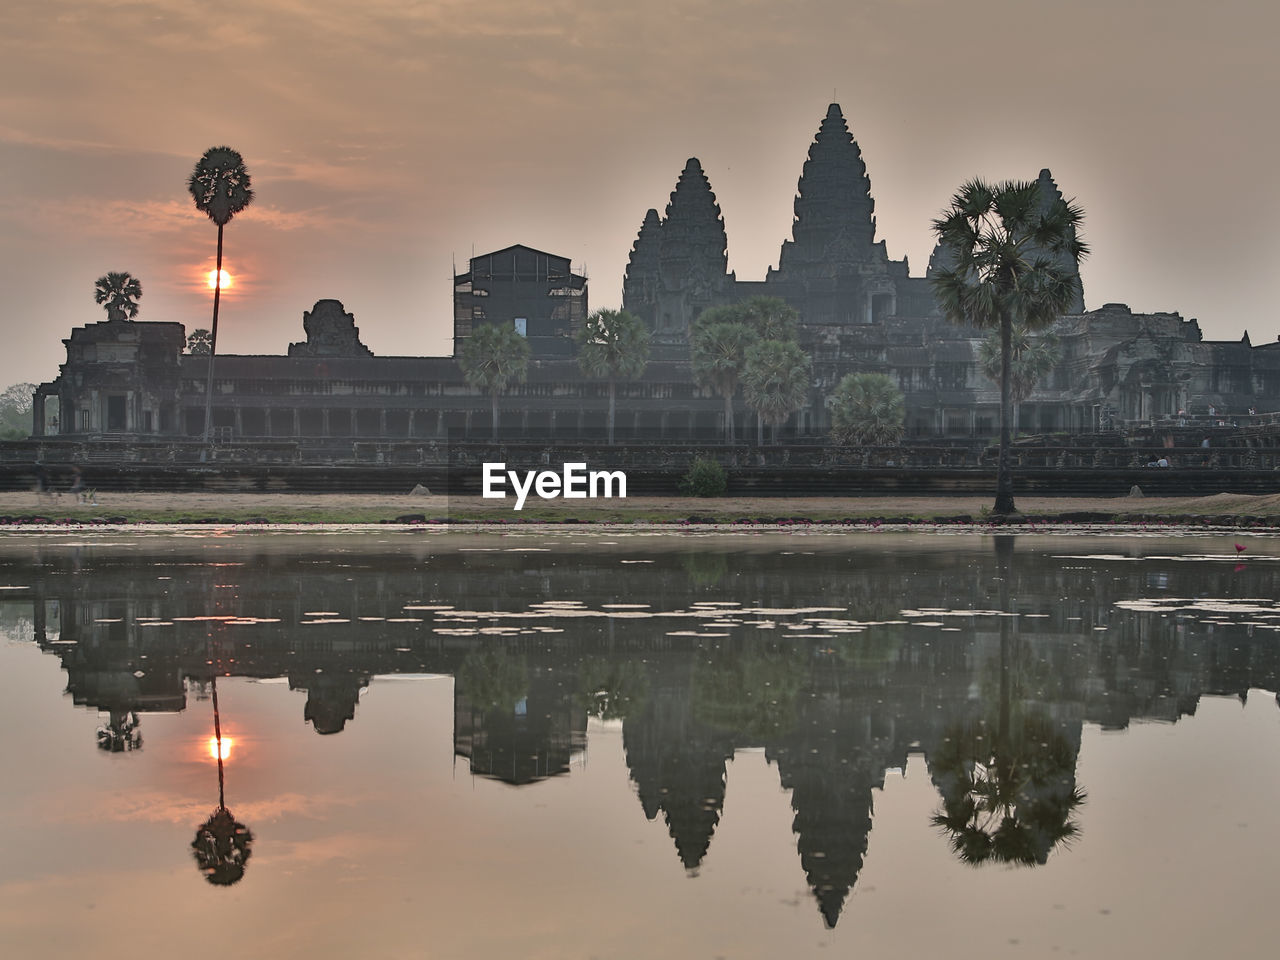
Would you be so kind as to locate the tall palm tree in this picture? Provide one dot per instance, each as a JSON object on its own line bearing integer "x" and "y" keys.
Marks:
{"x": 118, "y": 293}
{"x": 719, "y": 355}
{"x": 613, "y": 344}
{"x": 775, "y": 382}
{"x": 867, "y": 408}
{"x": 494, "y": 358}
{"x": 1010, "y": 260}
{"x": 220, "y": 187}
{"x": 1030, "y": 359}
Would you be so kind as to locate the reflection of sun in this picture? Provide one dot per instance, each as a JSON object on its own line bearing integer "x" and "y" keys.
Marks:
{"x": 211, "y": 276}
{"x": 226, "y": 747}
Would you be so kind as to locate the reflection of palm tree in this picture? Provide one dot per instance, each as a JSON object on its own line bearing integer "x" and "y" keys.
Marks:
{"x": 1007, "y": 798}
{"x": 121, "y": 733}
{"x": 222, "y": 845}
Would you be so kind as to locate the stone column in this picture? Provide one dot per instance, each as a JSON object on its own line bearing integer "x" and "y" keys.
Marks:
{"x": 37, "y": 415}
{"x": 297, "y": 423}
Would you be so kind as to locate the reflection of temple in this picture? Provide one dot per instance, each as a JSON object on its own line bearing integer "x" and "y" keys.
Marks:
{"x": 833, "y": 713}
{"x": 678, "y": 762}
{"x": 532, "y": 736}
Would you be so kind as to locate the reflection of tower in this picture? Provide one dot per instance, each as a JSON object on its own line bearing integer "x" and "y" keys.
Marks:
{"x": 524, "y": 736}
{"x": 677, "y": 762}
{"x": 836, "y": 754}
{"x": 331, "y": 699}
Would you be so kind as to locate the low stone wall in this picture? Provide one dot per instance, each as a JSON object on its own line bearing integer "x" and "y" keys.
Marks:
{"x": 659, "y": 479}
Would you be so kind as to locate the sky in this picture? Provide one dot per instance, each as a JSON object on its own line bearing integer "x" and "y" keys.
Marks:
{"x": 390, "y": 140}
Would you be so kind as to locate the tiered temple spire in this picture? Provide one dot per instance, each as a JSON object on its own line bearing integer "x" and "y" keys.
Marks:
{"x": 834, "y": 210}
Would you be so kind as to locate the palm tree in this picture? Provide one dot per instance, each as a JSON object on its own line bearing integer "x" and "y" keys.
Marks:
{"x": 220, "y": 187}
{"x": 719, "y": 355}
{"x": 775, "y": 382}
{"x": 867, "y": 408}
{"x": 198, "y": 342}
{"x": 1032, "y": 357}
{"x": 770, "y": 317}
{"x": 613, "y": 344}
{"x": 494, "y": 358}
{"x": 1010, "y": 262}
{"x": 118, "y": 293}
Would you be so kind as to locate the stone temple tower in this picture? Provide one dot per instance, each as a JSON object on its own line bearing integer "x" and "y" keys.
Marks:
{"x": 679, "y": 265}
{"x": 832, "y": 269}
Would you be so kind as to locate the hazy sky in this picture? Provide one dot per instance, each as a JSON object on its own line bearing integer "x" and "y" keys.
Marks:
{"x": 390, "y": 139}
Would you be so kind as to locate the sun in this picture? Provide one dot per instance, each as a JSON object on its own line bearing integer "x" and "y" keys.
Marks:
{"x": 226, "y": 745}
{"x": 211, "y": 279}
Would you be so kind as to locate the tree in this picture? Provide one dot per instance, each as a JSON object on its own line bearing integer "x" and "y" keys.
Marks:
{"x": 775, "y": 381}
{"x": 1032, "y": 357}
{"x": 220, "y": 187}
{"x": 613, "y": 344}
{"x": 1009, "y": 261}
{"x": 719, "y": 355}
{"x": 494, "y": 358}
{"x": 118, "y": 293}
{"x": 770, "y": 317}
{"x": 867, "y": 408}
{"x": 15, "y": 411}
{"x": 198, "y": 343}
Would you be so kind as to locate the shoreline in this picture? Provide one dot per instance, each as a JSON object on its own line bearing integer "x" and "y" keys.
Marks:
{"x": 30, "y": 512}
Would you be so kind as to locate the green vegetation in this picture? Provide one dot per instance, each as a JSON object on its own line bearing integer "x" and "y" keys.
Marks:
{"x": 775, "y": 381}
{"x": 719, "y": 355}
{"x": 493, "y": 359}
{"x": 15, "y": 411}
{"x": 867, "y": 409}
{"x": 706, "y": 478}
{"x": 1030, "y": 358}
{"x": 1011, "y": 261}
{"x": 613, "y": 344}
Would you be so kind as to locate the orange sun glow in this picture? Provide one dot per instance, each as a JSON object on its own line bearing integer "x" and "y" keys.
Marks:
{"x": 226, "y": 747}
{"x": 211, "y": 279}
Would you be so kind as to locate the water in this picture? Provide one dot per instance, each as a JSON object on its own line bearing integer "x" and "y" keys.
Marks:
{"x": 619, "y": 745}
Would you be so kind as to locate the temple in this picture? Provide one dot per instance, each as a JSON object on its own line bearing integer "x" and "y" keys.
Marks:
{"x": 859, "y": 310}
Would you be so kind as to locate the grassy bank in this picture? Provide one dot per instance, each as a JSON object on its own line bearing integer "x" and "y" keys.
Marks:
{"x": 185, "y": 508}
